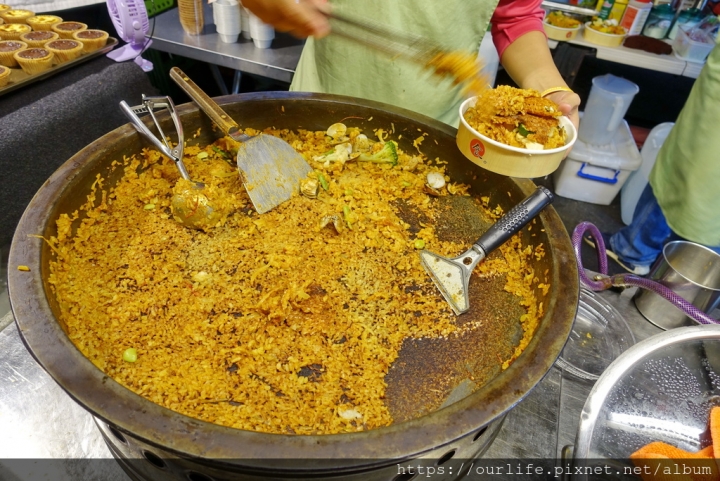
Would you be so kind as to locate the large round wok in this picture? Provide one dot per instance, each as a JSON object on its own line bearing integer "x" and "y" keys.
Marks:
{"x": 126, "y": 418}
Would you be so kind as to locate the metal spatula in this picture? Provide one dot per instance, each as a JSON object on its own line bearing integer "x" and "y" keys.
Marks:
{"x": 271, "y": 168}
{"x": 452, "y": 275}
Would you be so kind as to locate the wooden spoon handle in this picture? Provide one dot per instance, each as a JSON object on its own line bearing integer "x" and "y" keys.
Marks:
{"x": 208, "y": 105}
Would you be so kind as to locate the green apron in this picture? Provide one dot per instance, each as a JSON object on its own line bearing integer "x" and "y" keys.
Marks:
{"x": 686, "y": 176}
{"x": 339, "y": 66}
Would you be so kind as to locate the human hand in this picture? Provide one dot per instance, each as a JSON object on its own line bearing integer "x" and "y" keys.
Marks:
{"x": 301, "y": 18}
{"x": 568, "y": 103}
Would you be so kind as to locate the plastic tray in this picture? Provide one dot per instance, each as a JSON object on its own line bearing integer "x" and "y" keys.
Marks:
{"x": 18, "y": 78}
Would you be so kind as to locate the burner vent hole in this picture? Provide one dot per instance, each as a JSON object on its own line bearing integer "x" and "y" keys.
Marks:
{"x": 479, "y": 433}
{"x": 447, "y": 457}
{"x": 194, "y": 476}
{"x": 117, "y": 434}
{"x": 154, "y": 459}
{"x": 404, "y": 477}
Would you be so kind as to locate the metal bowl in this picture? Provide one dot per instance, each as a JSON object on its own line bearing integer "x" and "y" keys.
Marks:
{"x": 661, "y": 389}
{"x": 168, "y": 445}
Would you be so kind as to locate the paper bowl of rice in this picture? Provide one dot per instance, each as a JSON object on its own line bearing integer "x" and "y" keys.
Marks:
{"x": 514, "y": 132}
{"x": 604, "y": 32}
{"x": 561, "y": 26}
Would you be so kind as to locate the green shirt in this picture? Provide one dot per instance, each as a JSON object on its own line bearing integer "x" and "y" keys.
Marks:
{"x": 339, "y": 66}
{"x": 686, "y": 176}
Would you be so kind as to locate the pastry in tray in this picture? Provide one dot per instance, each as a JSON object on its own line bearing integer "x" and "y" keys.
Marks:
{"x": 38, "y": 38}
{"x": 16, "y": 15}
{"x": 34, "y": 60}
{"x": 92, "y": 39}
{"x": 12, "y": 31}
{"x": 4, "y": 75}
{"x": 8, "y": 48}
{"x": 64, "y": 49}
{"x": 43, "y": 22}
{"x": 66, "y": 29}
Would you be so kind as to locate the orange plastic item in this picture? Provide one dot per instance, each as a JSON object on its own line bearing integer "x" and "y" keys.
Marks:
{"x": 663, "y": 462}
{"x": 715, "y": 430}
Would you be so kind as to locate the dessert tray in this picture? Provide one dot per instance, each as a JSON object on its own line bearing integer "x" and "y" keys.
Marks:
{"x": 18, "y": 78}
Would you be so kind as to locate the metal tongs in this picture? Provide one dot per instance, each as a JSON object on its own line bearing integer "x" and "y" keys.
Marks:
{"x": 149, "y": 104}
{"x": 384, "y": 39}
{"x": 190, "y": 206}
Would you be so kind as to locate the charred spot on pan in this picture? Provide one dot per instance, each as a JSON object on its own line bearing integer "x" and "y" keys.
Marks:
{"x": 411, "y": 215}
{"x": 316, "y": 290}
{"x": 342, "y": 340}
{"x": 313, "y": 372}
{"x": 232, "y": 368}
{"x": 411, "y": 288}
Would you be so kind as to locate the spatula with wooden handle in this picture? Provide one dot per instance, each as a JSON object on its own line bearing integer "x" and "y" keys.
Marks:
{"x": 271, "y": 168}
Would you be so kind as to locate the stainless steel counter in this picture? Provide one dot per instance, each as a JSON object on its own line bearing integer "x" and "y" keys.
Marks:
{"x": 277, "y": 62}
{"x": 39, "y": 420}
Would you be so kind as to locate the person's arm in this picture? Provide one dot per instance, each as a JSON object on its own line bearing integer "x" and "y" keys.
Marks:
{"x": 302, "y": 18}
{"x": 524, "y": 53}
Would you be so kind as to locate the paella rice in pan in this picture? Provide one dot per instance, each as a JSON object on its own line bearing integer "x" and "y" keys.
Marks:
{"x": 286, "y": 322}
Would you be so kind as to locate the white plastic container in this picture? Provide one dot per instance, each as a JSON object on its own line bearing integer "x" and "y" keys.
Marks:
{"x": 262, "y": 33}
{"x": 633, "y": 188}
{"x": 595, "y": 173}
{"x": 635, "y": 15}
{"x": 688, "y": 49}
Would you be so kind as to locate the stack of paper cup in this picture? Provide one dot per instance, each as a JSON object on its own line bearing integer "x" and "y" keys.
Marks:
{"x": 191, "y": 16}
{"x": 245, "y": 22}
{"x": 261, "y": 33}
{"x": 226, "y": 15}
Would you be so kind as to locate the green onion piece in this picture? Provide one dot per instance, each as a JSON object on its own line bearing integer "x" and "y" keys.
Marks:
{"x": 346, "y": 215}
{"x": 130, "y": 355}
{"x": 220, "y": 151}
{"x": 405, "y": 183}
{"x": 348, "y": 192}
{"x": 523, "y": 131}
{"x": 202, "y": 155}
{"x": 323, "y": 182}
{"x": 419, "y": 243}
{"x": 149, "y": 206}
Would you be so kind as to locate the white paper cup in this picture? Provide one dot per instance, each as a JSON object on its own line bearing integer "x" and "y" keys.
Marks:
{"x": 229, "y": 38}
{"x": 245, "y": 23}
{"x": 226, "y": 15}
{"x": 261, "y": 33}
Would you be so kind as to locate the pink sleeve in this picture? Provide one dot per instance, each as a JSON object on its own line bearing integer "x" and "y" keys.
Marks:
{"x": 514, "y": 18}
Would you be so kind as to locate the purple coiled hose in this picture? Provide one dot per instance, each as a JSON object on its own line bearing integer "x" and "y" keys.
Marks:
{"x": 605, "y": 282}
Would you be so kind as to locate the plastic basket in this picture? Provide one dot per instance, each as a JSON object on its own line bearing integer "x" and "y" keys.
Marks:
{"x": 154, "y": 7}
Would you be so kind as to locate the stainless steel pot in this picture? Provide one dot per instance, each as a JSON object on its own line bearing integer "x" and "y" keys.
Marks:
{"x": 153, "y": 442}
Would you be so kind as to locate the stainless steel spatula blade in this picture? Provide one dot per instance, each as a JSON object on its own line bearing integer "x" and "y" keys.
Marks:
{"x": 271, "y": 170}
{"x": 452, "y": 275}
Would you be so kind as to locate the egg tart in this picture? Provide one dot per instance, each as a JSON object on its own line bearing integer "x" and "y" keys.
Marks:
{"x": 34, "y": 60}
{"x": 66, "y": 29}
{"x": 43, "y": 22}
{"x": 38, "y": 38}
{"x": 92, "y": 39}
{"x": 4, "y": 7}
{"x": 12, "y": 31}
{"x": 7, "y": 52}
{"x": 64, "y": 49}
{"x": 4, "y": 75}
{"x": 16, "y": 15}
